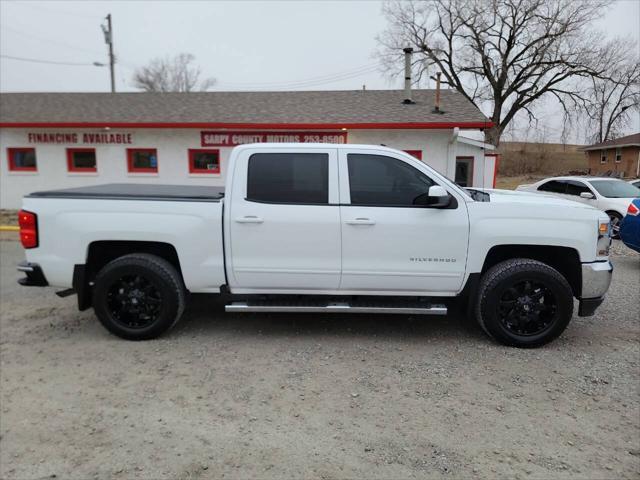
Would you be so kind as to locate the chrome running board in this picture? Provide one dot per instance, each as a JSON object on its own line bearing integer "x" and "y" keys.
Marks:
{"x": 337, "y": 307}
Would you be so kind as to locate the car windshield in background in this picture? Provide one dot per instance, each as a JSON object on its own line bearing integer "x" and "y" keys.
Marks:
{"x": 615, "y": 189}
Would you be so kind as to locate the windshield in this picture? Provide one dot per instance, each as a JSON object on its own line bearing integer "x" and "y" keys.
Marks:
{"x": 615, "y": 189}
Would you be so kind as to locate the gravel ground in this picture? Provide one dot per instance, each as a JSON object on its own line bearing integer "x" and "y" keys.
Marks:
{"x": 283, "y": 396}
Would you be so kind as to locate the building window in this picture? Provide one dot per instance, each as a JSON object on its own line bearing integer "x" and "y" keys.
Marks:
{"x": 415, "y": 153}
{"x": 204, "y": 161}
{"x": 618, "y": 155}
{"x": 142, "y": 160}
{"x": 81, "y": 160}
{"x": 22, "y": 159}
{"x": 603, "y": 156}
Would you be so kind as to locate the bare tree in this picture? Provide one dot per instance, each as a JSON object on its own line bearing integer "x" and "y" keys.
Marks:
{"x": 613, "y": 98}
{"x": 505, "y": 55}
{"x": 172, "y": 74}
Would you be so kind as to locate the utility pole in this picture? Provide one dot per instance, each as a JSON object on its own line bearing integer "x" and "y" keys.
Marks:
{"x": 108, "y": 39}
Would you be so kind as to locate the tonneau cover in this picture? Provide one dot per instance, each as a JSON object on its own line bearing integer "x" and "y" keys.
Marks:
{"x": 137, "y": 191}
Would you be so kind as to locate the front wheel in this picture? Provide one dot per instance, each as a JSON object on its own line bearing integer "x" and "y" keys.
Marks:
{"x": 615, "y": 219}
{"x": 524, "y": 303}
{"x": 138, "y": 296}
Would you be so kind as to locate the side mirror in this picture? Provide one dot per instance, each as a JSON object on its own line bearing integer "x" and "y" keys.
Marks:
{"x": 587, "y": 195}
{"x": 436, "y": 197}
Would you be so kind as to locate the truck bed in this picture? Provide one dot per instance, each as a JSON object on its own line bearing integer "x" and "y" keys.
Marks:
{"x": 137, "y": 191}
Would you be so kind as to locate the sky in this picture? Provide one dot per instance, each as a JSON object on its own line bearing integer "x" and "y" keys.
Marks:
{"x": 245, "y": 45}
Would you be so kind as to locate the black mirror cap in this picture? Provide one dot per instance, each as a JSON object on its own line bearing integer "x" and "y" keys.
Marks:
{"x": 440, "y": 202}
{"x": 424, "y": 200}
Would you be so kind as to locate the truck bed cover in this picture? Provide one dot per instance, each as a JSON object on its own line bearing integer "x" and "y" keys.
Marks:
{"x": 137, "y": 191}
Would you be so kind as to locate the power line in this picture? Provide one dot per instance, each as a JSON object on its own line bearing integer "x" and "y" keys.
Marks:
{"x": 40, "y": 8}
{"x": 315, "y": 81}
{"x": 51, "y": 62}
{"x": 321, "y": 77}
{"x": 49, "y": 40}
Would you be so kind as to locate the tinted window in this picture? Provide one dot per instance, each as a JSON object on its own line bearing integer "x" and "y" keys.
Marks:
{"x": 554, "y": 186}
{"x": 380, "y": 180}
{"x": 576, "y": 188}
{"x": 288, "y": 177}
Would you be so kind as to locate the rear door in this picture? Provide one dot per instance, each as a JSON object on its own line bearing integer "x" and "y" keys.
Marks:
{"x": 285, "y": 220}
{"x": 389, "y": 245}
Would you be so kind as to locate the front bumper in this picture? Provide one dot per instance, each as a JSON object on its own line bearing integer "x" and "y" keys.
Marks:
{"x": 35, "y": 277}
{"x": 596, "y": 278}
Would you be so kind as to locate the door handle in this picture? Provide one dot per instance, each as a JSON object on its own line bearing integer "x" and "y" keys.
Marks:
{"x": 249, "y": 219}
{"x": 361, "y": 221}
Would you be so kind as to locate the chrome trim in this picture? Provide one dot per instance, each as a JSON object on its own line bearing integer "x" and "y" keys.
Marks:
{"x": 596, "y": 278}
{"x": 24, "y": 268}
{"x": 335, "y": 308}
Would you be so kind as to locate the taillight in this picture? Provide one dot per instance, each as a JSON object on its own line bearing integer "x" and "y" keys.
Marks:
{"x": 633, "y": 210}
{"x": 28, "y": 222}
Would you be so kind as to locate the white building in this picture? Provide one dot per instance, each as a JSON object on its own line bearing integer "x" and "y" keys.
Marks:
{"x": 61, "y": 140}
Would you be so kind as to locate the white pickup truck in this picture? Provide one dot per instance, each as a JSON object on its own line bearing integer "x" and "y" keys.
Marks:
{"x": 320, "y": 228}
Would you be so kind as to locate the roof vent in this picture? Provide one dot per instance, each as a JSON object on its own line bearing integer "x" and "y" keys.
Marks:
{"x": 436, "y": 106}
{"x": 407, "y": 76}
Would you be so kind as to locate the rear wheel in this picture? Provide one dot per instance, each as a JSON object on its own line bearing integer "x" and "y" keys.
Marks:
{"x": 138, "y": 296}
{"x": 524, "y": 303}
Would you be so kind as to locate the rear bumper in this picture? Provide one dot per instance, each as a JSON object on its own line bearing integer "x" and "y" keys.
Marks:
{"x": 596, "y": 278}
{"x": 34, "y": 275}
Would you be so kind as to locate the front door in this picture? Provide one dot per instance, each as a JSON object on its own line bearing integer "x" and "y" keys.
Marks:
{"x": 285, "y": 221}
{"x": 389, "y": 245}
{"x": 464, "y": 171}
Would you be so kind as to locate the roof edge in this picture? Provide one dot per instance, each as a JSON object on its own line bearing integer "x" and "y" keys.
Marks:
{"x": 609, "y": 147}
{"x": 270, "y": 126}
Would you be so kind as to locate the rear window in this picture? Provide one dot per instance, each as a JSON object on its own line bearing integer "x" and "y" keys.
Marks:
{"x": 288, "y": 178}
{"x": 554, "y": 186}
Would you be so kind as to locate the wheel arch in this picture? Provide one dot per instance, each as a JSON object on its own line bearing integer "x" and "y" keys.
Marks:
{"x": 100, "y": 253}
{"x": 614, "y": 211}
{"x": 565, "y": 260}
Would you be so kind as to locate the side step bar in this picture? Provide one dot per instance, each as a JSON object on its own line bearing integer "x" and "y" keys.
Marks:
{"x": 335, "y": 307}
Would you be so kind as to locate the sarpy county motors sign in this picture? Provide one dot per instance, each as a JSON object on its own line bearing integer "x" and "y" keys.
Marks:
{"x": 231, "y": 139}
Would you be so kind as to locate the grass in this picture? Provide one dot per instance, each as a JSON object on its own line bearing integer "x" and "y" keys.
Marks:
{"x": 8, "y": 217}
{"x": 529, "y": 162}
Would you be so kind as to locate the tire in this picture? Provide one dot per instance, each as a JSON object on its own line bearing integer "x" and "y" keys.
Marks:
{"x": 524, "y": 303}
{"x": 615, "y": 219}
{"x": 138, "y": 296}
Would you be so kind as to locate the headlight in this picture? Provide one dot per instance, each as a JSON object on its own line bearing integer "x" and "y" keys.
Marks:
{"x": 604, "y": 238}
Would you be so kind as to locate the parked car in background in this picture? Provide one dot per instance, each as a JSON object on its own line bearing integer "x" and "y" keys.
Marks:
{"x": 610, "y": 195}
{"x": 635, "y": 183}
{"x": 630, "y": 226}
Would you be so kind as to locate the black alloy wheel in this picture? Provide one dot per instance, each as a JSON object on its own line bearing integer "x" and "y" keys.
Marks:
{"x": 523, "y": 302}
{"x": 527, "y": 308}
{"x": 134, "y": 301}
{"x": 138, "y": 296}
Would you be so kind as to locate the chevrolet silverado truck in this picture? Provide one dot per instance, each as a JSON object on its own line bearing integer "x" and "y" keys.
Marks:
{"x": 320, "y": 228}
